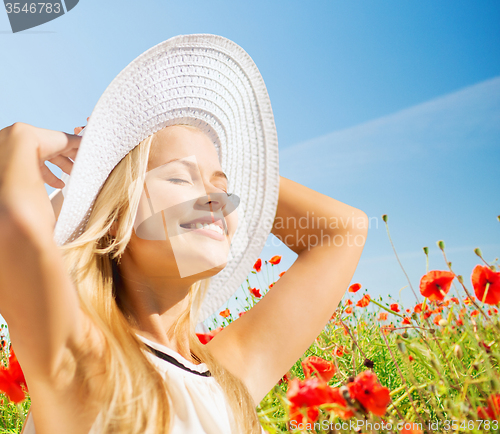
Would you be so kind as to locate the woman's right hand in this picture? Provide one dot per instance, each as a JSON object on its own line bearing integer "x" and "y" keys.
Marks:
{"x": 54, "y": 146}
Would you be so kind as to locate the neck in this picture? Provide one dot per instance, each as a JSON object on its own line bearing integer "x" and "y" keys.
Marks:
{"x": 153, "y": 306}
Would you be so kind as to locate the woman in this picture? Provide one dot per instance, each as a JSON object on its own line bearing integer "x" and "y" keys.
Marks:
{"x": 102, "y": 308}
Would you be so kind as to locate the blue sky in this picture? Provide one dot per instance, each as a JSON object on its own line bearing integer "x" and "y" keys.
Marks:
{"x": 392, "y": 107}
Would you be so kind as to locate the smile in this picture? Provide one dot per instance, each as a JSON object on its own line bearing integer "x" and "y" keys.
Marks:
{"x": 210, "y": 227}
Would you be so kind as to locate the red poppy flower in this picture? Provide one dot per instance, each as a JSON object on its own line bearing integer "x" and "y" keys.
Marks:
{"x": 281, "y": 274}
{"x": 298, "y": 418}
{"x": 455, "y": 300}
{"x": 258, "y": 264}
{"x": 474, "y": 312}
{"x": 492, "y": 411}
{"x": 348, "y": 302}
{"x": 485, "y": 346}
{"x": 486, "y": 283}
{"x": 340, "y": 350}
{"x": 324, "y": 369}
{"x": 427, "y": 314}
{"x": 382, "y": 316}
{"x": 468, "y": 301}
{"x": 225, "y": 313}
{"x": 355, "y": 287}
{"x": 271, "y": 285}
{"x": 205, "y": 338}
{"x": 436, "y": 319}
{"x": 394, "y": 307}
{"x": 348, "y": 310}
{"x": 309, "y": 392}
{"x": 275, "y": 260}
{"x": 285, "y": 378}
{"x": 410, "y": 428}
{"x": 459, "y": 322}
{"x": 408, "y": 310}
{"x": 365, "y": 301}
{"x": 410, "y": 358}
{"x": 435, "y": 284}
{"x": 406, "y": 320}
{"x": 370, "y": 393}
{"x": 12, "y": 379}
{"x": 240, "y": 314}
{"x": 255, "y": 292}
{"x": 418, "y": 308}
{"x": 340, "y": 409}
{"x": 387, "y": 329}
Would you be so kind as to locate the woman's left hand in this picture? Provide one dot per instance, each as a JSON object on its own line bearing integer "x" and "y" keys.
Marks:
{"x": 79, "y": 129}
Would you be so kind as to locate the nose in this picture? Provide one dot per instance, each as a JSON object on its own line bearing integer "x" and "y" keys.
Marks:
{"x": 217, "y": 202}
{"x": 213, "y": 201}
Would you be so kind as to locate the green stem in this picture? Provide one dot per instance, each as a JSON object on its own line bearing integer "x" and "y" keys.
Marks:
{"x": 386, "y": 308}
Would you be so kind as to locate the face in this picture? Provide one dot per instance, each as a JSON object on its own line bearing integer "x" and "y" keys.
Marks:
{"x": 186, "y": 220}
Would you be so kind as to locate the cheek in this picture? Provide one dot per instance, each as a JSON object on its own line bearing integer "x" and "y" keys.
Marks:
{"x": 232, "y": 223}
{"x": 174, "y": 198}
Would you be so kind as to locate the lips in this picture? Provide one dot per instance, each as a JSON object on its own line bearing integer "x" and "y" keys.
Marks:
{"x": 205, "y": 222}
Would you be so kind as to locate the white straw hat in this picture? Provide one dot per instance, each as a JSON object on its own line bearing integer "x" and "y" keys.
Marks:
{"x": 202, "y": 80}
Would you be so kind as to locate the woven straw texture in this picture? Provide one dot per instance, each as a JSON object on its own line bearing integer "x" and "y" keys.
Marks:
{"x": 203, "y": 80}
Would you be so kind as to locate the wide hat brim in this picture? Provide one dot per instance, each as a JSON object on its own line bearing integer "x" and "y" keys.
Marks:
{"x": 203, "y": 80}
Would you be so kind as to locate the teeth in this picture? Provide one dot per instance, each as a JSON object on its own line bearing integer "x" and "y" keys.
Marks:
{"x": 210, "y": 226}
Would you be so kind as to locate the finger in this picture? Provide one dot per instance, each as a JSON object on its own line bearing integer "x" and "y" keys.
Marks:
{"x": 72, "y": 154}
{"x": 49, "y": 178}
{"x": 52, "y": 143}
{"x": 62, "y": 162}
{"x": 78, "y": 130}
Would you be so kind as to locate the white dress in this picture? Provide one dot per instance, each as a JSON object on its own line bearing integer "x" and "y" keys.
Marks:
{"x": 199, "y": 403}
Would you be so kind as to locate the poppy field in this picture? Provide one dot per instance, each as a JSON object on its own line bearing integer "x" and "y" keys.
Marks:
{"x": 430, "y": 366}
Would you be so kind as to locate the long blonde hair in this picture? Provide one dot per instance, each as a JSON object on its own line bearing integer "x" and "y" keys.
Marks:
{"x": 134, "y": 397}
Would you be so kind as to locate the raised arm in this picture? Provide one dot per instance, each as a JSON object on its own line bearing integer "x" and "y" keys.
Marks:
{"x": 37, "y": 298}
{"x": 328, "y": 236}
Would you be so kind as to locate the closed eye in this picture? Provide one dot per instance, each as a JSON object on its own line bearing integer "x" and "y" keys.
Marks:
{"x": 178, "y": 181}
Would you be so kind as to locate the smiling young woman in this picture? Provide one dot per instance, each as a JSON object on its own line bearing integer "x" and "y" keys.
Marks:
{"x": 160, "y": 223}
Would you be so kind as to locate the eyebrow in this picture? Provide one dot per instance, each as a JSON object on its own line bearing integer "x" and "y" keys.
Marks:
{"x": 192, "y": 165}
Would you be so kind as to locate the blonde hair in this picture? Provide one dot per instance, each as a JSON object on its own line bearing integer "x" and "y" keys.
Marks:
{"x": 133, "y": 397}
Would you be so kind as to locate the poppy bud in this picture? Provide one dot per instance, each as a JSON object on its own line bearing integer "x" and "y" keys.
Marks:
{"x": 440, "y": 244}
{"x": 350, "y": 380}
{"x": 426, "y": 250}
{"x": 498, "y": 217}
{"x": 402, "y": 347}
{"x": 478, "y": 252}
{"x": 369, "y": 363}
{"x": 384, "y": 218}
{"x": 443, "y": 322}
{"x": 432, "y": 331}
{"x": 457, "y": 350}
{"x": 405, "y": 335}
{"x": 460, "y": 278}
{"x": 449, "y": 264}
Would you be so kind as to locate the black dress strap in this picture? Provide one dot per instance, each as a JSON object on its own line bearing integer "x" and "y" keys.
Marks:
{"x": 175, "y": 362}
